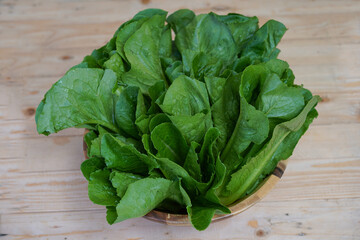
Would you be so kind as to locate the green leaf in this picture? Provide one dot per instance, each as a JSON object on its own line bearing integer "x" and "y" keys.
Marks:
{"x": 142, "y": 52}
{"x": 187, "y": 104}
{"x": 206, "y": 34}
{"x": 202, "y": 211}
{"x": 185, "y": 96}
{"x": 95, "y": 147}
{"x": 148, "y": 146}
{"x": 141, "y": 106}
{"x": 241, "y": 27}
{"x": 124, "y": 157}
{"x": 203, "y": 65}
{"x": 225, "y": 111}
{"x": 111, "y": 214}
{"x": 204, "y": 206}
{"x": 125, "y": 32}
{"x": 174, "y": 70}
{"x": 169, "y": 142}
{"x": 281, "y": 68}
{"x": 208, "y": 153}
{"x": 180, "y": 19}
{"x": 176, "y": 201}
{"x": 261, "y": 85}
{"x": 96, "y": 143}
{"x": 125, "y": 110}
{"x": 142, "y": 196}
{"x": 220, "y": 174}
{"x": 142, "y": 118}
{"x": 277, "y": 100}
{"x": 155, "y": 173}
{"x": 251, "y": 126}
{"x": 250, "y": 80}
{"x": 91, "y": 165}
{"x": 116, "y": 64}
{"x": 130, "y": 27}
{"x": 157, "y": 90}
{"x": 88, "y": 138}
{"x": 262, "y": 45}
{"x": 174, "y": 172}
{"x": 82, "y": 96}
{"x": 157, "y": 120}
{"x": 201, "y": 215}
{"x": 193, "y": 128}
{"x": 165, "y": 43}
{"x": 191, "y": 164}
{"x": 148, "y": 13}
{"x": 98, "y": 57}
{"x": 287, "y": 146}
{"x": 215, "y": 87}
{"x": 122, "y": 180}
{"x": 101, "y": 191}
{"x": 242, "y": 180}
{"x": 142, "y": 123}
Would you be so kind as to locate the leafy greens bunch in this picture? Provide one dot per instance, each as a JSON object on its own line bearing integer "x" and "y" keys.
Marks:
{"x": 188, "y": 125}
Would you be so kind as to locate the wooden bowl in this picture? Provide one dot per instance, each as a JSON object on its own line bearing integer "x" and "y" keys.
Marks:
{"x": 237, "y": 207}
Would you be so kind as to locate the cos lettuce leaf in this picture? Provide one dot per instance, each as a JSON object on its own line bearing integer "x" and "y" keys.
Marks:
{"x": 82, "y": 96}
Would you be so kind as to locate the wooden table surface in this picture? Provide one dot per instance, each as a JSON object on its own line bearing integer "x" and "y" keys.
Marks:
{"x": 42, "y": 192}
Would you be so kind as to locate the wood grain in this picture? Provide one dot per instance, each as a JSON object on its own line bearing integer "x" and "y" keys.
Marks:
{"x": 42, "y": 192}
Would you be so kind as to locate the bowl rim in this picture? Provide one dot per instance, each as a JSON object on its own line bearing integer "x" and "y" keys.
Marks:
{"x": 237, "y": 207}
